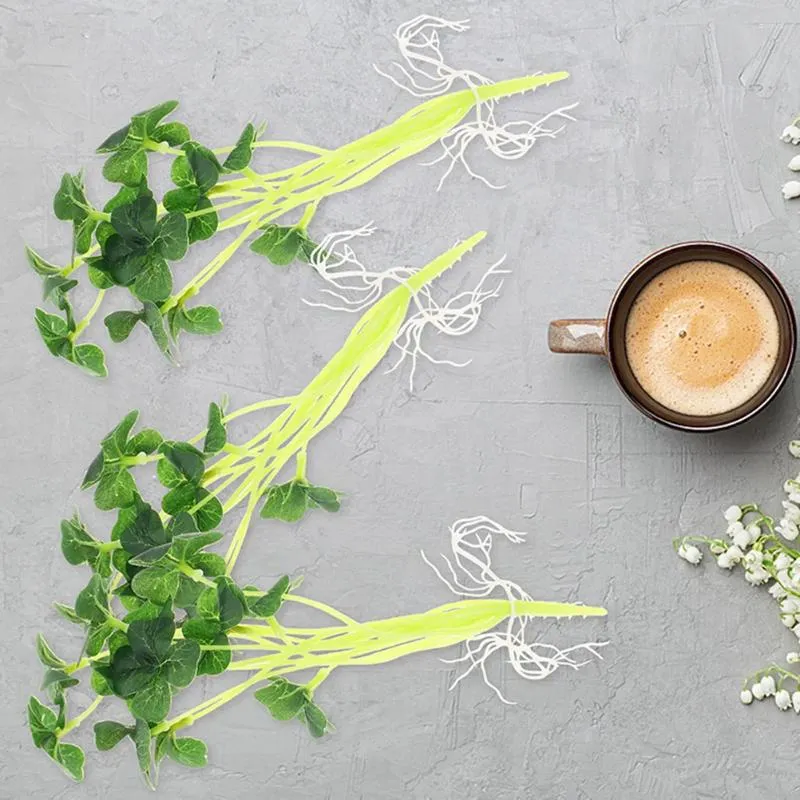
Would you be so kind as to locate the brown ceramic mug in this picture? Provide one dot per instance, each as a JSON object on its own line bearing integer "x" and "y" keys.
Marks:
{"x": 606, "y": 337}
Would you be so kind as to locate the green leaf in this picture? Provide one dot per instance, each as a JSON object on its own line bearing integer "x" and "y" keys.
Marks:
{"x": 121, "y": 323}
{"x": 182, "y": 199}
{"x": 172, "y": 236}
{"x": 155, "y": 322}
{"x": 181, "y": 173}
{"x": 136, "y": 221}
{"x": 151, "y": 639}
{"x": 122, "y": 260}
{"x": 215, "y": 662}
{"x": 287, "y": 502}
{"x": 232, "y": 603}
{"x": 187, "y": 545}
{"x": 203, "y": 226}
{"x": 279, "y": 243}
{"x": 188, "y": 460}
{"x": 115, "y": 442}
{"x": 142, "y": 742}
{"x": 180, "y": 667}
{"x": 216, "y": 435}
{"x": 150, "y": 556}
{"x": 125, "y": 195}
{"x": 168, "y": 475}
{"x": 145, "y": 531}
{"x": 77, "y": 544}
{"x": 39, "y": 265}
{"x": 283, "y": 699}
{"x": 147, "y": 441}
{"x": 315, "y": 719}
{"x": 187, "y": 594}
{"x": 173, "y": 133}
{"x": 187, "y": 751}
{"x": 241, "y": 154}
{"x": 323, "y": 497}
{"x": 91, "y": 603}
{"x": 70, "y": 201}
{"x": 83, "y": 231}
{"x": 98, "y": 633}
{"x": 91, "y": 359}
{"x": 100, "y": 684}
{"x": 68, "y": 612}
{"x": 181, "y": 523}
{"x": 148, "y": 120}
{"x": 203, "y": 320}
{"x": 56, "y": 286}
{"x": 114, "y": 141}
{"x": 127, "y": 165}
{"x": 154, "y": 282}
{"x": 208, "y": 603}
{"x": 98, "y": 278}
{"x": 210, "y": 564}
{"x": 54, "y": 332}
{"x": 146, "y": 611}
{"x": 115, "y": 489}
{"x": 46, "y": 654}
{"x": 94, "y": 472}
{"x": 209, "y": 514}
{"x": 268, "y": 604}
{"x": 108, "y": 734}
{"x": 56, "y": 681}
{"x": 70, "y": 758}
{"x": 158, "y": 583}
{"x": 204, "y": 165}
{"x": 201, "y": 629}
{"x": 181, "y": 498}
{"x": 41, "y": 721}
{"x": 152, "y": 703}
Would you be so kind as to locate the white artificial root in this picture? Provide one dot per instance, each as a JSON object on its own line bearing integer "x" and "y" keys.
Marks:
{"x": 458, "y": 316}
{"x": 424, "y": 73}
{"x": 469, "y": 574}
{"x": 353, "y": 286}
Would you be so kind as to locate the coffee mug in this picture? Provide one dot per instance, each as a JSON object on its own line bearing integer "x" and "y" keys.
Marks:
{"x": 606, "y": 337}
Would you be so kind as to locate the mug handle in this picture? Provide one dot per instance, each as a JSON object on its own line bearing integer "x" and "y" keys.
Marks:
{"x": 577, "y": 336}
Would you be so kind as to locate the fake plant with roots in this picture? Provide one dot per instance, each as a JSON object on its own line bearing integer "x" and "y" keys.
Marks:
{"x": 162, "y": 607}
{"x": 138, "y": 243}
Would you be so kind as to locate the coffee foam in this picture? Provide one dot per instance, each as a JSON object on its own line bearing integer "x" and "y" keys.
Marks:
{"x": 702, "y": 338}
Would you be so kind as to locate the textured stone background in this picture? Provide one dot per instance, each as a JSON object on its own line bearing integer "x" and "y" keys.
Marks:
{"x": 676, "y": 138}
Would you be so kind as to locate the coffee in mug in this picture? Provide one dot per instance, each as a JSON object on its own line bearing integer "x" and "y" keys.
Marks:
{"x": 702, "y": 338}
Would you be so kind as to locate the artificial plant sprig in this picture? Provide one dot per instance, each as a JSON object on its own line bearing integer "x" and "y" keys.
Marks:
{"x": 137, "y": 242}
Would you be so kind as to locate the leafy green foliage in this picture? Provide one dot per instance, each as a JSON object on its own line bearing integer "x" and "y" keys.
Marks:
{"x": 286, "y": 700}
{"x": 268, "y": 604}
{"x": 283, "y": 244}
{"x": 70, "y": 204}
{"x": 108, "y": 734}
{"x": 240, "y": 156}
{"x": 290, "y": 501}
{"x": 216, "y": 435}
{"x": 44, "y": 726}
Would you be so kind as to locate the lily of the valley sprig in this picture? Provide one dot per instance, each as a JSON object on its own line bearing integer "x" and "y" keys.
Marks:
{"x": 763, "y": 551}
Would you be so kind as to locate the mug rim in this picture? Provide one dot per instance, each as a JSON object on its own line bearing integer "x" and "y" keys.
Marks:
{"x": 788, "y": 361}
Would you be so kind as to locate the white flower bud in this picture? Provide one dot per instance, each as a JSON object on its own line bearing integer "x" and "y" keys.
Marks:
{"x": 789, "y": 606}
{"x": 795, "y": 496}
{"x": 791, "y": 189}
{"x": 787, "y": 529}
{"x": 753, "y": 531}
{"x": 793, "y": 658}
{"x": 768, "y": 685}
{"x": 796, "y": 702}
{"x": 756, "y": 575}
{"x": 735, "y": 527}
{"x": 716, "y": 549}
{"x": 753, "y": 558}
{"x": 758, "y": 691}
{"x": 746, "y": 696}
{"x": 742, "y": 539}
{"x": 794, "y": 164}
{"x": 794, "y": 448}
{"x": 788, "y": 620}
{"x": 734, "y": 513}
{"x": 690, "y": 553}
{"x": 796, "y": 630}
{"x": 791, "y": 134}
{"x": 783, "y": 700}
{"x": 790, "y": 485}
{"x": 783, "y": 577}
{"x": 734, "y": 554}
{"x": 783, "y": 561}
{"x": 724, "y": 561}
{"x": 791, "y": 511}
{"x": 777, "y": 591}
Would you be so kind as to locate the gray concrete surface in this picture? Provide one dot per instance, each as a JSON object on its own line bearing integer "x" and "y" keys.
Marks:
{"x": 676, "y": 138}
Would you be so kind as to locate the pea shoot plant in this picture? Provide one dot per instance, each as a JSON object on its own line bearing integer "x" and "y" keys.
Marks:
{"x": 137, "y": 242}
{"x": 161, "y": 607}
{"x": 766, "y": 553}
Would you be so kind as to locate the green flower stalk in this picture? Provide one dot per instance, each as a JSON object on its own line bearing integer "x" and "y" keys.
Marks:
{"x": 135, "y": 241}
